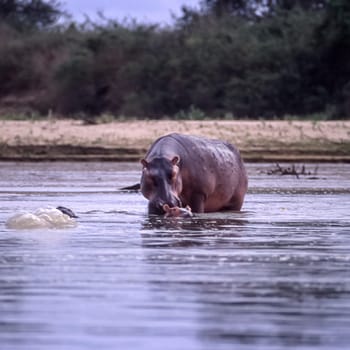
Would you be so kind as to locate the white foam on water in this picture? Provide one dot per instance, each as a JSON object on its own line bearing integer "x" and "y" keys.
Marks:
{"x": 41, "y": 218}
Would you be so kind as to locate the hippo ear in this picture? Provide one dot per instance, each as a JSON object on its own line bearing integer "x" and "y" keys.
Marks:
{"x": 166, "y": 208}
{"x": 144, "y": 163}
{"x": 175, "y": 160}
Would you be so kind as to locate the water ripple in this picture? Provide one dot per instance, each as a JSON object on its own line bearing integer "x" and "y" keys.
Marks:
{"x": 274, "y": 276}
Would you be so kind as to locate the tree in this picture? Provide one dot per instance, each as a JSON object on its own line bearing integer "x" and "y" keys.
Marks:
{"x": 334, "y": 47}
{"x": 254, "y": 9}
{"x": 30, "y": 14}
{"x": 241, "y": 8}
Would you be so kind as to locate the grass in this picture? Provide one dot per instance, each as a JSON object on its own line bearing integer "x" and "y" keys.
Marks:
{"x": 193, "y": 113}
{"x": 315, "y": 117}
{"x": 22, "y": 116}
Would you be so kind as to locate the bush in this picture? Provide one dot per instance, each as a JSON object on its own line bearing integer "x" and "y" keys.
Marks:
{"x": 208, "y": 65}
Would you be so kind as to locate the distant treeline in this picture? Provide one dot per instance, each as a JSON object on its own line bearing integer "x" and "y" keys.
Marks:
{"x": 224, "y": 59}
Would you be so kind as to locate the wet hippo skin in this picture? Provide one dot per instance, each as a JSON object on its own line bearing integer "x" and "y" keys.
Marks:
{"x": 180, "y": 170}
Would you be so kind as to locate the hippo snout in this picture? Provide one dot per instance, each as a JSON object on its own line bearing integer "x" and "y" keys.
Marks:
{"x": 156, "y": 206}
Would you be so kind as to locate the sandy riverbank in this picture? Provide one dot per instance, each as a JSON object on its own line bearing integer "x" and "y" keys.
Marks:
{"x": 128, "y": 140}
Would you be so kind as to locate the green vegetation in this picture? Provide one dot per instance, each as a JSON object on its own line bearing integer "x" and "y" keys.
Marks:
{"x": 227, "y": 59}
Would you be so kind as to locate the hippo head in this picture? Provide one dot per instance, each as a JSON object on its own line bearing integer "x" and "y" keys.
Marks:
{"x": 161, "y": 183}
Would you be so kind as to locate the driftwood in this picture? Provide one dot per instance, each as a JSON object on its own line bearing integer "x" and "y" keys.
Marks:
{"x": 291, "y": 170}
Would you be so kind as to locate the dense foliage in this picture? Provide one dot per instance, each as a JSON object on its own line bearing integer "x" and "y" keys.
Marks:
{"x": 29, "y": 14}
{"x": 226, "y": 58}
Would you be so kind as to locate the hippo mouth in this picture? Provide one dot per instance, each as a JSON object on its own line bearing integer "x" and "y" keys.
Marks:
{"x": 177, "y": 211}
{"x": 157, "y": 207}
{"x": 176, "y": 203}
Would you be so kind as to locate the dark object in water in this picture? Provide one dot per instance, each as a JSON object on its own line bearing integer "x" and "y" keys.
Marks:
{"x": 135, "y": 187}
{"x": 177, "y": 211}
{"x": 67, "y": 211}
{"x": 292, "y": 170}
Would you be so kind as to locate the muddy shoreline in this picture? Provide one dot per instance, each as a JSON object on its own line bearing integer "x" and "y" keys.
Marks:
{"x": 71, "y": 140}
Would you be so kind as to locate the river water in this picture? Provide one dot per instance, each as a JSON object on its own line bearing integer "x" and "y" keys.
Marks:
{"x": 274, "y": 276}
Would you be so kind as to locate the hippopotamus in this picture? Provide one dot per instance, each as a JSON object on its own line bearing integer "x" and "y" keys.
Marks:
{"x": 182, "y": 170}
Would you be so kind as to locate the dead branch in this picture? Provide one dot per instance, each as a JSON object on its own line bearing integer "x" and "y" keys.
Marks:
{"x": 291, "y": 170}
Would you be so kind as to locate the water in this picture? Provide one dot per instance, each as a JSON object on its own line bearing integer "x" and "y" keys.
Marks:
{"x": 275, "y": 276}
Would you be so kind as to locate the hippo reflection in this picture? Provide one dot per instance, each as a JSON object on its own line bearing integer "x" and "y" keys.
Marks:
{"x": 181, "y": 170}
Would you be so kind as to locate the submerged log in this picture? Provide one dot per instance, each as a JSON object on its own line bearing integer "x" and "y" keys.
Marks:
{"x": 291, "y": 170}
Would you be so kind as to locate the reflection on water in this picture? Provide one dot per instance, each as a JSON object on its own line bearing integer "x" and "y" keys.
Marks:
{"x": 273, "y": 276}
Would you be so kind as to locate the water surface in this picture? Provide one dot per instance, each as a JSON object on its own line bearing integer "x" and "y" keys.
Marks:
{"x": 274, "y": 276}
